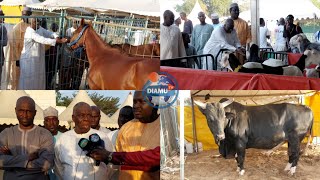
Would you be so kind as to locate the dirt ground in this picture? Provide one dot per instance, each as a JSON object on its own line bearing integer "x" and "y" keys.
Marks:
{"x": 258, "y": 166}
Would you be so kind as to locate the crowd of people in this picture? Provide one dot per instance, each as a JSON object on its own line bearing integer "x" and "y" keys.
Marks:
{"x": 233, "y": 34}
{"x": 28, "y": 151}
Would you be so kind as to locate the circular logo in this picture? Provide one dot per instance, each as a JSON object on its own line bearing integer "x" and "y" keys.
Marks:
{"x": 161, "y": 90}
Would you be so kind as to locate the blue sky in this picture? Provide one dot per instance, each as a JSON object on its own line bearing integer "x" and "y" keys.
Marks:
{"x": 122, "y": 94}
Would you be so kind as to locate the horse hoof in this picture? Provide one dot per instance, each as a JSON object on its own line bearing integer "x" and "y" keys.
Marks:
{"x": 288, "y": 167}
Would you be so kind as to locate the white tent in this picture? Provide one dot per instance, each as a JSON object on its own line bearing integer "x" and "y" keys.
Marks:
{"x": 193, "y": 16}
{"x": 82, "y": 96}
{"x": 142, "y": 7}
{"x": 47, "y": 6}
{"x": 274, "y": 9}
{"x": 8, "y": 104}
{"x": 18, "y": 2}
{"x": 127, "y": 102}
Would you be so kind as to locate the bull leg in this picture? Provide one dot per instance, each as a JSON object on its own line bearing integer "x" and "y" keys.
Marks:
{"x": 293, "y": 152}
{"x": 241, "y": 152}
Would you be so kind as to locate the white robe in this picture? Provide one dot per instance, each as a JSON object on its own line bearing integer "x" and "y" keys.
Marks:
{"x": 171, "y": 42}
{"x": 71, "y": 162}
{"x": 220, "y": 40}
{"x": 32, "y": 61}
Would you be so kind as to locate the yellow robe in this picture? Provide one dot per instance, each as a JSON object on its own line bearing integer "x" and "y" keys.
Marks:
{"x": 137, "y": 136}
{"x": 243, "y": 31}
{"x": 15, "y": 48}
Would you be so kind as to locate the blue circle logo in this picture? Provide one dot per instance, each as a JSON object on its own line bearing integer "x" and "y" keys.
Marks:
{"x": 161, "y": 90}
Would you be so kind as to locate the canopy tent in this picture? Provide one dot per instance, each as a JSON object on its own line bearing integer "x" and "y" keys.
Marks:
{"x": 193, "y": 16}
{"x": 82, "y": 96}
{"x": 18, "y": 2}
{"x": 8, "y": 104}
{"x": 142, "y": 7}
{"x": 252, "y": 97}
{"x": 274, "y": 9}
{"x": 127, "y": 102}
{"x": 46, "y": 6}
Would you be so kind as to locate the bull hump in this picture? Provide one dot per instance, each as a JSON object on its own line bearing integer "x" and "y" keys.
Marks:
{"x": 253, "y": 65}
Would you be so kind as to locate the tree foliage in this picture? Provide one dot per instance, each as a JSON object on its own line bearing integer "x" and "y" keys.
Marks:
{"x": 220, "y": 7}
{"x": 316, "y": 3}
{"x": 108, "y": 105}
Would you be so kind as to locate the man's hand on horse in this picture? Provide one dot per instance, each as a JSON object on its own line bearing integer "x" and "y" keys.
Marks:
{"x": 62, "y": 40}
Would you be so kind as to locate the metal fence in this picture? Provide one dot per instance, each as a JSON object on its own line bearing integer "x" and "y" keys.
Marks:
{"x": 283, "y": 56}
{"x": 193, "y": 62}
{"x": 65, "y": 69}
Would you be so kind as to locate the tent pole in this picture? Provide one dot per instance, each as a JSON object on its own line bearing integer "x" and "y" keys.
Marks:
{"x": 255, "y": 21}
{"x": 194, "y": 130}
{"x": 181, "y": 96}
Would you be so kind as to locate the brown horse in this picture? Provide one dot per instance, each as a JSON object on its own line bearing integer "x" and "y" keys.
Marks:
{"x": 109, "y": 69}
{"x": 146, "y": 50}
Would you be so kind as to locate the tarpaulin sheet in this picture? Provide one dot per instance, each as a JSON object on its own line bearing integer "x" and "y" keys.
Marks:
{"x": 314, "y": 103}
{"x": 194, "y": 79}
{"x": 204, "y": 134}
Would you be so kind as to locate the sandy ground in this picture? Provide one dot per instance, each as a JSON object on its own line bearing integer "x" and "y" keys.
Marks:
{"x": 258, "y": 166}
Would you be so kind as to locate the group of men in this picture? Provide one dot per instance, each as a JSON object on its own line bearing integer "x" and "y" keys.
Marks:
{"x": 205, "y": 38}
{"x": 31, "y": 62}
{"x": 234, "y": 35}
{"x": 28, "y": 151}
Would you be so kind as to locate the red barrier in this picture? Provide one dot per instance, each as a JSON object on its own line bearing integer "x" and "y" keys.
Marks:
{"x": 192, "y": 79}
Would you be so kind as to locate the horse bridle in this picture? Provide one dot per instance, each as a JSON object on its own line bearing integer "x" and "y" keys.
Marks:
{"x": 78, "y": 38}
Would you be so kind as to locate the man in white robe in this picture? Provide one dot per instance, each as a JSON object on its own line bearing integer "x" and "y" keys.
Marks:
{"x": 26, "y": 150}
{"x": 201, "y": 33}
{"x": 71, "y": 162}
{"x": 171, "y": 42}
{"x": 224, "y": 37}
{"x": 32, "y": 60}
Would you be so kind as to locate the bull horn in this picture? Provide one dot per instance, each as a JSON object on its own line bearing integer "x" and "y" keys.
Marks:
{"x": 226, "y": 103}
{"x": 201, "y": 104}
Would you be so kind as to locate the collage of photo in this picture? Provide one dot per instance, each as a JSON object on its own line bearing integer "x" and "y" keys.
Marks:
{"x": 159, "y": 89}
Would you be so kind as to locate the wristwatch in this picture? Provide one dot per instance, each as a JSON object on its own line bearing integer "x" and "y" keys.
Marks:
{"x": 110, "y": 157}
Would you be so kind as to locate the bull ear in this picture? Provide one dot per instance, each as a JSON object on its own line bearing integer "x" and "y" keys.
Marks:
{"x": 230, "y": 116}
{"x": 201, "y": 105}
{"x": 307, "y": 52}
{"x": 226, "y": 103}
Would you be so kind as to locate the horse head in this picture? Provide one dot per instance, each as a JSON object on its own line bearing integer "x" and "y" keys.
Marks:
{"x": 78, "y": 38}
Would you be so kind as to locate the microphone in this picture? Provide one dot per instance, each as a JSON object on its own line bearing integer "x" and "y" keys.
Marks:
{"x": 94, "y": 142}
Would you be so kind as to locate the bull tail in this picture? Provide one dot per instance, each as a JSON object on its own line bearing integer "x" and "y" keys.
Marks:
{"x": 309, "y": 138}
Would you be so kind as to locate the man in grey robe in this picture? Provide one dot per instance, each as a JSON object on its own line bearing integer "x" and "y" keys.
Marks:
{"x": 26, "y": 150}
{"x": 222, "y": 38}
{"x": 201, "y": 33}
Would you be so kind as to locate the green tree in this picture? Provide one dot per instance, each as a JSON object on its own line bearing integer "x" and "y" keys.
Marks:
{"x": 316, "y": 3}
{"x": 220, "y": 7}
{"x": 108, "y": 105}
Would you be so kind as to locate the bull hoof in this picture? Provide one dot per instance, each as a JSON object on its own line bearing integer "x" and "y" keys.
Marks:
{"x": 288, "y": 167}
{"x": 292, "y": 170}
{"x": 241, "y": 173}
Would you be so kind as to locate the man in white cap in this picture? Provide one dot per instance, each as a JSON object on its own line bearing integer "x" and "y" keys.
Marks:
{"x": 215, "y": 20}
{"x": 32, "y": 60}
{"x": 51, "y": 123}
{"x": 16, "y": 45}
{"x": 3, "y": 41}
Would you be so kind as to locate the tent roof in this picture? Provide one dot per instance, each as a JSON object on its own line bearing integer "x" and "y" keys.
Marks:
{"x": 142, "y": 7}
{"x": 83, "y": 96}
{"x": 252, "y": 97}
{"x": 193, "y": 16}
{"x": 274, "y": 9}
{"x": 8, "y": 104}
{"x": 127, "y": 102}
{"x": 18, "y": 2}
